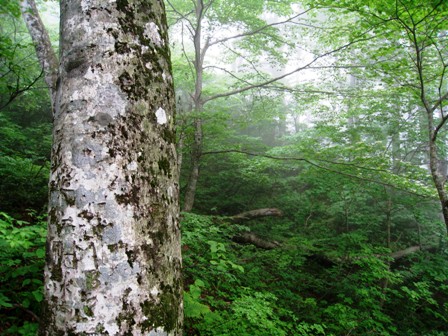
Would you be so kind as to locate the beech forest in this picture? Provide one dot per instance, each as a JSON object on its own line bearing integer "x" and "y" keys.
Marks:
{"x": 303, "y": 157}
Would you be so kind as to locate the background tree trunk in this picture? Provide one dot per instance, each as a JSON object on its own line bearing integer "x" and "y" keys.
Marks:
{"x": 193, "y": 178}
{"x": 44, "y": 51}
{"x": 196, "y": 151}
{"x": 113, "y": 251}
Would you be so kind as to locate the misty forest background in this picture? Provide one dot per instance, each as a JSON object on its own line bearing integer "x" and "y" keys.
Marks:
{"x": 326, "y": 116}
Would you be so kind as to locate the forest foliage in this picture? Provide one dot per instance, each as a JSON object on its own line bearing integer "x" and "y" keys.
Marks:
{"x": 341, "y": 150}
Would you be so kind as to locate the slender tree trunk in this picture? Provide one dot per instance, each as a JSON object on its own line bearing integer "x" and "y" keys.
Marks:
{"x": 113, "y": 250}
{"x": 438, "y": 178}
{"x": 44, "y": 51}
{"x": 196, "y": 151}
{"x": 388, "y": 219}
{"x": 180, "y": 156}
{"x": 434, "y": 127}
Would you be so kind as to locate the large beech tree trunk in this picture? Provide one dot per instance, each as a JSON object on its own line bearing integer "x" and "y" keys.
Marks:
{"x": 113, "y": 252}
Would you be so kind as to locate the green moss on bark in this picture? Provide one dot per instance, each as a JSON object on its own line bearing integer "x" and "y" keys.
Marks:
{"x": 92, "y": 281}
{"x": 163, "y": 314}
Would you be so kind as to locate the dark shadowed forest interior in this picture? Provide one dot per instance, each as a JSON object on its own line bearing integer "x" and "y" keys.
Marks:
{"x": 312, "y": 150}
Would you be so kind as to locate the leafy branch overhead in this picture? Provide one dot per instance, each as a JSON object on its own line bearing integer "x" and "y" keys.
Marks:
{"x": 354, "y": 171}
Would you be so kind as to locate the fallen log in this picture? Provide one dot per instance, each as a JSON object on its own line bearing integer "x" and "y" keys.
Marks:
{"x": 407, "y": 251}
{"x": 403, "y": 253}
{"x": 252, "y": 238}
{"x": 257, "y": 213}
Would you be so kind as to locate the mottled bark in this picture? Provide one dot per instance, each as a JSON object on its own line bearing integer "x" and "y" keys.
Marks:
{"x": 113, "y": 252}
{"x": 44, "y": 51}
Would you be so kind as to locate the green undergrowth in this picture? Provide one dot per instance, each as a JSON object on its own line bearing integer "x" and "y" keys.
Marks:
{"x": 307, "y": 286}
{"x": 22, "y": 253}
{"x": 341, "y": 285}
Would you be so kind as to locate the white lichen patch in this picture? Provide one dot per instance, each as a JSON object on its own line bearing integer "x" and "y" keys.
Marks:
{"x": 87, "y": 262}
{"x": 88, "y": 93}
{"x": 154, "y": 291}
{"x": 90, "y": 74}
{"x": 132, "y": 166}
{"x": 86, "y": 5}
{"x": 158, "y": 332}
{"x": 152, "y": 32}
{"x": 93, "y": 74}
{"x": 167, "y": 77}
{"x": 161, "y": 116}
{"x": 170, "y": 192}
{"x": 109, "y": 301}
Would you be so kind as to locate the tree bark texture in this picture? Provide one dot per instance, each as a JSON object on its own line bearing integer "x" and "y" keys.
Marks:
{"x": 44, "y": 51}
{"x": 113, "y": 251}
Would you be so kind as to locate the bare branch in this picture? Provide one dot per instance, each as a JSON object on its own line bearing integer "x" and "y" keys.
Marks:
{"x": 18, "y": 91}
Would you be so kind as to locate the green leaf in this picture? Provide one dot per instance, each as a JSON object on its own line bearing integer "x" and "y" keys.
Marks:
{"x": 193, "y": 308}
{"x": 26, "y": 303}
{"x": 40, "y": 252}
{"x": 38, "y": 295}
{"x": 4, "y": 301}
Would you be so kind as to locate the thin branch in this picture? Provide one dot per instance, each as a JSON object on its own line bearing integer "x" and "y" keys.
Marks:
{"x": 17, "y": 305}
{"x": 251, "y": 63}
{"x": 18, "y": 91}
{"x": 253, "y": 86}
{"x": 319, "y": 167}
{"x": 181, "y": 16}
{"x": 311, "y": 91}
{"x": 258, "y": 30}
{"x": 184, "y": 52}
{"x": 227, "y": 72}
{"x": 443, "y": 120}
{"x": 432, "y": 11}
